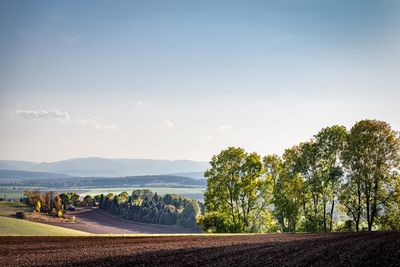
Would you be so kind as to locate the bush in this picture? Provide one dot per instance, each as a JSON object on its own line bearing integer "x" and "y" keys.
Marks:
{"x": 59, "y": 213}
{"x": 20, "y": 215}
{"x": 189, "y": 214}
{"x": 37, "y": 206}
{"x": 216, "y": 222}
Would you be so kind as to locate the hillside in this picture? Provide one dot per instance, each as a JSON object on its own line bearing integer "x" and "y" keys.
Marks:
{"x": 17, "y": 227}
{"x": 30, "y": 175}
{"x": 94, "y": 166}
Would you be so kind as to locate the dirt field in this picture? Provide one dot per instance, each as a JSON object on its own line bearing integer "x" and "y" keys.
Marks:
{"x": 345, "y": 249}
{"x": 97, "y": 221}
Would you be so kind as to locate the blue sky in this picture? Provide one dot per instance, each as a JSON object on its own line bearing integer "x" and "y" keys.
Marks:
{"x": 185, "y": 79}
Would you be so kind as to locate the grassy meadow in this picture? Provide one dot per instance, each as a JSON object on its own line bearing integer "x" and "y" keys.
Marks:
{"x": 18, "y": 227}
{"x": 10, "y": 208}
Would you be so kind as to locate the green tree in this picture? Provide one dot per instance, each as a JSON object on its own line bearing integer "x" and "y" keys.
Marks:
{"x": 235, "y": 188}
{"x": 189, "y": 214}
{"x": 88, "y": 201}
{"x": 305, "y": 161}
{"x": 215, "y": 221}
{"x": 70, "y": 199}
{"x": 391, "y": 218}
{"x": 287, "y": 189}
{"x": 329, "y": 144}
{"x": 319, "y": 163}
{"x": 372, "y": 159}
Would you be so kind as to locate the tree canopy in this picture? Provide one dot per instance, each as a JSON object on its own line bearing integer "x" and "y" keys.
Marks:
{"x": 308, "y": 187}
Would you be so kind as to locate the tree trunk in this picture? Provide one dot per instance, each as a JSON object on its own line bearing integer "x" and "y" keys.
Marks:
{"x": 374, "y": 203}
{"x": 367, "y": 206}
{"x": 324, "y": 202}
{"x": 331, "y": 215}
{"x": 305, "y": 213}
{"x": 358, "y": 208}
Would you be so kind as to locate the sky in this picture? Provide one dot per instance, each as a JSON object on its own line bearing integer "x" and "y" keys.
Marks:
{"x": 185, "y": 79}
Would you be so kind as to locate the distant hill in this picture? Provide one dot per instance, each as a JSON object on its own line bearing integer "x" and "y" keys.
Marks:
{"x": 102, "y": 167}
{"x": 27, "y": 175}
{"x": 193, "y": 175}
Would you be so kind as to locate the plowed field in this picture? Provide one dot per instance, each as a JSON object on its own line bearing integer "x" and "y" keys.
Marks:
{"x": 341, "y": 249}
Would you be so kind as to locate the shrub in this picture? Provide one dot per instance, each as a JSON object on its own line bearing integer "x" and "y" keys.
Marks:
{"x": 37, "y": 206}
{"x": 20, "y": 215}
{"x": 216, "y": 222}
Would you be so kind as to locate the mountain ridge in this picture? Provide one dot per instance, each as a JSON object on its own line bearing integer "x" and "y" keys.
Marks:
{"x": 104, "y": 167}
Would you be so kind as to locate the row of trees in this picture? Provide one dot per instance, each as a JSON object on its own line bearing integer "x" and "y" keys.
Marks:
{"x": 47, "y": 202}
{"x": 354, "y": 173}
{"x": 148, "y": 207}
{"x": 142, "y": 206}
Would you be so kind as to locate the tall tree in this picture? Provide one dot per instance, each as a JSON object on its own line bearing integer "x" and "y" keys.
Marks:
{"x": 287, "y": 188}
{"x": 305, "y": 162}
{"x": 391, "y": 218}
{"x": 319, "y": 162}
{"x": 235, "y": 188}
{"x": 372, "y": 158}
{"x": 329, "y": 144}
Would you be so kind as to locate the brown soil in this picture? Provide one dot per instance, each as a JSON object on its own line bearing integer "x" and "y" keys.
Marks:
{"x": 45, "y": 218}
{"x": 341, "y": 249}
{"x": 97, "y": 221}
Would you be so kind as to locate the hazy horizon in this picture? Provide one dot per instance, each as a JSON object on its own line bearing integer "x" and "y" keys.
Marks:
{"x": 94, "y": 157}
{"x": 184, "y": 79}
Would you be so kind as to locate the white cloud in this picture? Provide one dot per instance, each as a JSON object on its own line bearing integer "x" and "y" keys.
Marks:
{"x": 43, "y": 114}
{"x": 64, "y": 141}
{"x": 224, "y": 128}
{"x": 97, "y": 125}
{"x": 206, "y": 137}
{"x": 168, "y": 123}
{"x": 141, "y": 102}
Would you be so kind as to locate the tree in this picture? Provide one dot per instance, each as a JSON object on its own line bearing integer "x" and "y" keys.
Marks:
{"x": 235, "y": 188}
{"x": 32, "y": 197}
{"x": 49, "y": 201}
{"x": 88, "y": 201}
{"x": 304, "y": 160}
{"x": 290, "y": 192}
{"x": 37, "y": 206}
{"x": 215, "y": 221}
{"x": 189, "y": 214}
{"x": 275, "y": 172}
{"x": 319, "y": 162}
{"x": 391, "y": 217}
{"x": 70, "y": 199}
{"x": 351, "y": 199}
{"x": 330, "y": 143}
{"x": 372, "y": 158}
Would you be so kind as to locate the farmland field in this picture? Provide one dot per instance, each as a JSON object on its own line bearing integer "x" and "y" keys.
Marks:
{"x": 11, "y": 226}
{"x": 354, "y": 249}
{"x": 190, "y": 192}
{"x": 97, "y": 221}
{"x": 10, "y": 208}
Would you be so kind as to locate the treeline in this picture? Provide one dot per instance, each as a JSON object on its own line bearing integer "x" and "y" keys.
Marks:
{"x": 148, "y": 207}
{"x": 56, "y": 204}
{"x": 142, "y": 206}
{"x": 338, "y": 180}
